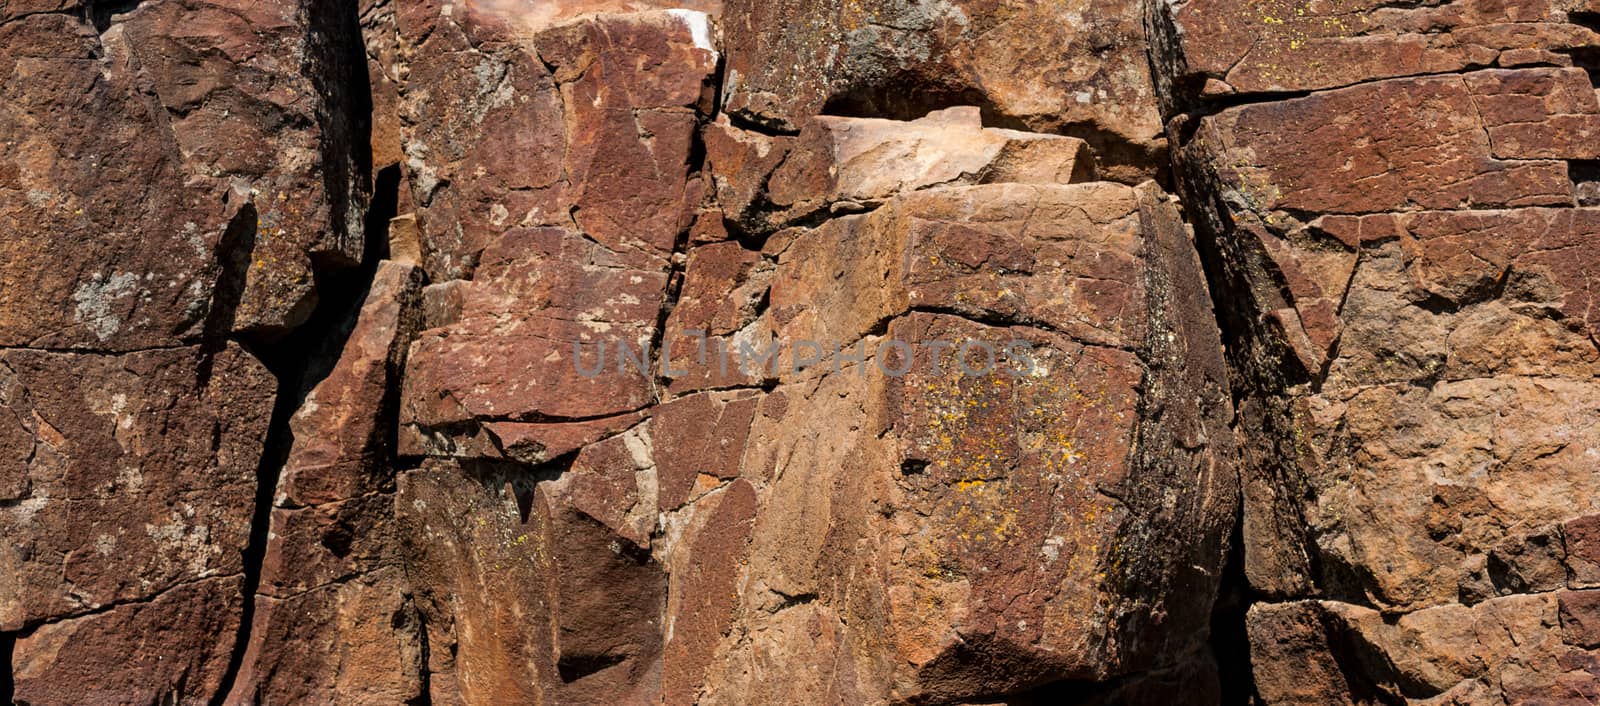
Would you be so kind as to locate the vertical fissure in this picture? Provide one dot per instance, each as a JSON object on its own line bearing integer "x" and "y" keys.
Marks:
{"x": 306, "y": 355}
{"x": 299, "y": 362}
{"x": 1230, "y": 641}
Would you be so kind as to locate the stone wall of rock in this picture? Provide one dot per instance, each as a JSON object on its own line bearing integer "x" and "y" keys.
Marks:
{"x": 733, "y": 352}
{"x": 174, "y": 182}
{"x": 1395, "y": 202}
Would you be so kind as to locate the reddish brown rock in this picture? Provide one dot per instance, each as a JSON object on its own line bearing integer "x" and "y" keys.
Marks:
{"x": 185, "y": 165}
{"x": 853, "y": 164}
{"x": 700, "y": 437}
{"x": 704, "y": 591}
{"x": 478, "y": 570}
{"x": 1328, "y": 652}
{"x": 367, "y": 650}
{"x": 140, "y": 478}
{"x": 1077, "y": 68}
{"x": 1282, "y": 46}
{"x": 483, "y": 154}
{"x": 918, "y": 523}
{"x": 1329, "y": 164}
{"x": 551, "y": 476}
{"x": 330, "y": 575}
{"x": 173, "y": 648}
{"x": 1411, "y": 332}
{"x": 581, "y": 317}
{"x": 339, "y": 429}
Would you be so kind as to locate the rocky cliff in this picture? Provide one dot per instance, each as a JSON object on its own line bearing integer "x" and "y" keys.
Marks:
{"x": 791, "y": 351}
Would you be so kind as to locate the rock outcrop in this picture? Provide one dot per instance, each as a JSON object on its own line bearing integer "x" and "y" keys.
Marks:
{"x": 1394, "y": 202}
{"x": 174, "y": 179}
{"x": 666, "y": 515}
{"x": 731, "y": 352}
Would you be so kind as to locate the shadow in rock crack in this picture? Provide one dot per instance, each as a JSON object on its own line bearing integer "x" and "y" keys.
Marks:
{"x": 8, "y": 645}
{"x": 99, "y": 13}
{"x": 1586, "y": 57}
{"x": 1230, "y": 639}
{"x": 299, "y": 361}
{"x": 233, "y": 258}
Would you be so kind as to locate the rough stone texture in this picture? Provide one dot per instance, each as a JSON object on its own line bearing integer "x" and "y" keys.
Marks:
{"x": 173, "y": 648}
{"x": 175, "y": 179}
{"x": 1283, "y": 46}
{"x": 765, "y": 534}
{"x": 333, "y": 618}
{"x": 191, "y": 149}
{"x": 1076, "y": 68}
{"x": 1413, "y": 325}
{"x": 623, "y": 351}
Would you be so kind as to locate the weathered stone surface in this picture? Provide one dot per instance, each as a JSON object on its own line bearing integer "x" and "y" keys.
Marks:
{"x": 479, "y": 572}
{"x": 173, "y": 649}
{"x": 190, "y": 154}
{"x": 931, "y": 544}
{"x": 1413, "y": 333}
{"x": 1284, "y": 46}
{"x": 1075, "y": 68}
{"x": 772, "y": 534}
{"x": 855, "y": 163}
{"x": 483, "y": 152}
{"x": 353, "y": 640}
{"x": 333, "y": 617}
{"x": 578, "y": 306}
{"x": 1450, "y": 654}
{"x": 138, "y": 478}
{"x": 538, "y": 466}
{"x": 1330, "y": 164}
{"x": 175, "y": 179}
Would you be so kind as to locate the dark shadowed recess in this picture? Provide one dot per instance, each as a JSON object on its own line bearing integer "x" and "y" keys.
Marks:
{"x": 1586, "y": 57}
{"x": 100, "y": 12}
{"x": 8, "y": 645}
{"x": 1230, "y": 640}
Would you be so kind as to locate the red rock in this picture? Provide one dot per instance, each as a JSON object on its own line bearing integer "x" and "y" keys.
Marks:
{"x": 699, "y": 435}
{"x": 537, "y": 443}
{"x": 481, "y": 165}
{"x": 140, "y": 478}
{"x": 1283, "y": 47}
{"x": 1390, "y": 207}
{"x": 183, "y": 159}
{"x": 1402, "y": 258}
{"x": 330, "y": 572}
{"x": 338, "y": 432}
{"x": 1077, "y": 69}
{"x": 1582, "y": 538}
{"x": 706, "y": 592}
{"x": 1580, "y": 618}
{"x": 478, "y": 571}
{"x": 1393, "y": 164}
{"x": 172, "y": 648}
{"x": 1538, "y": 113}
{"x": 368, "y": 650}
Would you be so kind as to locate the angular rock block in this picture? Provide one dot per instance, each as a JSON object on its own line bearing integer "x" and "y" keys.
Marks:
{"x": 1401, "y": 229}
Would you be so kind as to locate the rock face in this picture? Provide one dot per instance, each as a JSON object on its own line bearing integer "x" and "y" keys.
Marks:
{"x": 1415, "y": 333}
{"x": 666, "y": 519}
{"x": 173, "y": 179}
{"x": 731, "y": 352}
{"x": 1076, "y": 68}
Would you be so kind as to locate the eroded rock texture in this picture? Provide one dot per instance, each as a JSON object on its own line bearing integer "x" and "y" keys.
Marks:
{"x": 747, "y": 352}
{"x": 694, "y": 530}
{"x": 1408, "y": 269}
{"x": 174, "y": 177}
